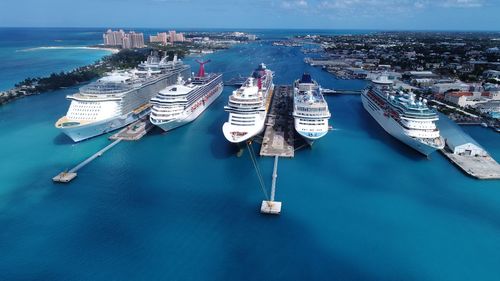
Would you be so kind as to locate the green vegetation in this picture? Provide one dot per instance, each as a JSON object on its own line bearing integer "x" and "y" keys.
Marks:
{"x": 126, "y": 58}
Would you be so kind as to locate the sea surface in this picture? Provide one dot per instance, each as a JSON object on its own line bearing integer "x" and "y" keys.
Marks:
{"x": 34, "y": 52}
{"x": 180, "y": 205}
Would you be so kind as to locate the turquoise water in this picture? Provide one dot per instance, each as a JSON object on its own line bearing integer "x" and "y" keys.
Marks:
{"x": 23, "y": 52}
{"x": 181, "y": 206}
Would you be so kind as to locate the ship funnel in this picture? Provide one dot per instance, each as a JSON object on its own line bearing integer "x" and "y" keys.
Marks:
{"x": 259, "y": 83}
{"x": 201, "y": 72}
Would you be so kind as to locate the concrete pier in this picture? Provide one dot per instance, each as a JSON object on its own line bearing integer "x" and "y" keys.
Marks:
{"x": 279, "y": 133}
{"x": 271, "y": 206}
{"x": 134, "y": 131}
{"x": 67, "y": 176}
{"x": 480, "y": 167}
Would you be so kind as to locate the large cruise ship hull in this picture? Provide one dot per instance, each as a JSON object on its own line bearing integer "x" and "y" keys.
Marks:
{"x": 309, "y": 136}
{"x": 132, "y": 101}
{"x": 90, "y": 130}
{"x": 189, "y": 116}
{"x": 394, "y": 129}
{"x": 238, "y": 134}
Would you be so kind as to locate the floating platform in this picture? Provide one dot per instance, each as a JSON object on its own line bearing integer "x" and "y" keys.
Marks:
{"x": 279, "y": 132}
{"x": 270, "y": 207}
{"x": 134, "y": 131}
{"x": 480, "y": 167}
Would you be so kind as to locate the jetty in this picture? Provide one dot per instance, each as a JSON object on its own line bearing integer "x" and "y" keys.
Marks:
{"x": 480, "y": 167}
{"x": 464, "y": 152}
{"x": 132, "y": 132}
{"x": 279, "y": 132}
{"x": 67, "y": 176}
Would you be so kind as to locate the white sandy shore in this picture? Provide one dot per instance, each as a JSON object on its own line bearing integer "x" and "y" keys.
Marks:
{"x": 111, "y": 50}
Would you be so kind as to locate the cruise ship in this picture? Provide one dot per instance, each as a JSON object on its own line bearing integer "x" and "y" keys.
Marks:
{"x": 119, "y": 98}
{"x": 248, "y": 106}
{"x": 401, "y": 115}
{"x": 183, "y": 102}
{"x": 310, "y": 110}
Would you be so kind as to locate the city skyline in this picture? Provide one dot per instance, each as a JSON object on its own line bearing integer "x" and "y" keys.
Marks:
{"x": 279, "y": 14}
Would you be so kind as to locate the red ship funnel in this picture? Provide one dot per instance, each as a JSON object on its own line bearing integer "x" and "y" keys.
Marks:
{"x": 259, "y": 83}
{"x": 201, "y": 72}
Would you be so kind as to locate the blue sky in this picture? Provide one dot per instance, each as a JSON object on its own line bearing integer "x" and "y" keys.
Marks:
{"x": 322, "y": 14}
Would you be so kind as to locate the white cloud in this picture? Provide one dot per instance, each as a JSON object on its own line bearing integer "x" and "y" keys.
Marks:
{"x": 298, "y": 4}
{"x": 462, "y": 3}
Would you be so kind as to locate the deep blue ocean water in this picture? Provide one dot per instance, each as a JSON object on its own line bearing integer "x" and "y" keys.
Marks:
{"x": 359, "y": 205}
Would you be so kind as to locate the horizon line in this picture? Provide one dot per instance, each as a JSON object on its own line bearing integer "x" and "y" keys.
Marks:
{"x": 261, "y": 28}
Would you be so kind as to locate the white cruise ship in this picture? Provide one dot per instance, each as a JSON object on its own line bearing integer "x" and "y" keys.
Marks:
{"x": 248, "y": 106}
{"x": 119, "y": 98}
{"x": 401, "y": 115}
{"x": 310, "y": 110}
{"x": 183, "y": 102}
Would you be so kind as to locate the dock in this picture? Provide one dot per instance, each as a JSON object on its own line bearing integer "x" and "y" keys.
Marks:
{"x": 67, "y": 176}
{"x": 270, "y": 206}
{"x": 465, "y": 153}
{"x": 134, "y": 131}
{"x": 279, "y": 132}
{"x": 480, "y": 167}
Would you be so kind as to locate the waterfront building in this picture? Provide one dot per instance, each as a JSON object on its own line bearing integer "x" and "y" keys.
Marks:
{"x": 441, "y": 88}
{"x": 122, "y": 39}
{"x": 459, "y": 142}
{"x": 492, "y": 108}
{"x": 492, "y": 74}
{"x": 160, "y": 37}
{"x": 465, "y": 99}
{"x": 173, "y": 36}
{"x": 113, "y": 38}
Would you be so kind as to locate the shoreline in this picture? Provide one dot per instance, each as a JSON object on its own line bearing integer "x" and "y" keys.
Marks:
{"x": 111, "y": 50}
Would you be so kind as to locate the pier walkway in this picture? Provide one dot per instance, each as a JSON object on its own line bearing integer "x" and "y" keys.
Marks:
{"x": 279, "y": 133}
{"x": 68, "y": 176}
{"x": 132, "y": 132}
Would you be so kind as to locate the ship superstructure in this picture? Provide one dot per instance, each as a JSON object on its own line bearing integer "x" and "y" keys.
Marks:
{"x": 183, "y": 102}
{"x": 403, "y": 116}
{"x": 310, "y": 110}
{"x": 119, "y": 98}
{"x": 248, "y": 106}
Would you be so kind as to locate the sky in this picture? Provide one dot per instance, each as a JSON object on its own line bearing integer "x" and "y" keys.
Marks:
{"x": 303, "y": 14}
